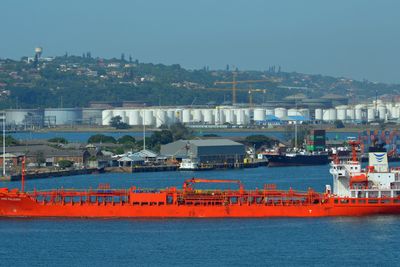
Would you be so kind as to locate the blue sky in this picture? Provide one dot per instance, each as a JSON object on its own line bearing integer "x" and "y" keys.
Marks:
{"x": 354, "y": 38}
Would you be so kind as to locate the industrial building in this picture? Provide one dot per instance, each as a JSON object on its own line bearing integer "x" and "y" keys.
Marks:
{"x": 205, "y": 151}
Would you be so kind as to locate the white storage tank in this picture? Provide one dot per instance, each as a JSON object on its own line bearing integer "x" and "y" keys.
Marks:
{"x": 318, "y": 114}
{"x": 329, "y": 114}
{"x": 269, "y": 112}
{"x": 229, "y": 115}
{"x": 134, "y": 118}
{"x": 359, "y": 114}
{"x": 161, "y": 117}
{"x": 281, "y": 113}
{"x": 247, "y": 115}
{"x": 361, "y": 106}
{"x": 197, "y": 116}
{"x": 382, "y": 112}
{"x": 208, "y": 115}
{"x": 186, "y": 116}
{"x": 24, "y": 116}
{"x": 92, "y": 116}
{"x": 350, "y": 114}
{"x": 219, "y": 116}
{"x": 178, "y": 115}
{"x": 106, "y": 116}
{"x": 148, "y": 118}
{"x": 395, "y": 114}
{"x": 259, "y": 114}
{"x": 65, "y": 116}
{"x": 305, "y": 112}
{"x": 341, "y": 113}
{"x": 240, "y": 116}
{"x": 121, "y": 113}
{"x": 171, "y": 119}
{"x": 371, "y": 112}
{"x": 293, "y": 112}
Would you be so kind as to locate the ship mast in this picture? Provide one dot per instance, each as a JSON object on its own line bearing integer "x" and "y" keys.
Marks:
{"x": 144, "y": 129}
{"x": 295, "y": 124}
{"x": 4, "y": 145}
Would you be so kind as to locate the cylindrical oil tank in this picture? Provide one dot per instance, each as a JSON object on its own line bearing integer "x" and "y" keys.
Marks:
{"x": 371, "y": 113}
{"x": 382, "y": 112}
{"x": 269, "y": 112}
{"x": 24, "y": 116}
{"x": 318, "y": 114}
{"x": 178, "y": 115}
{"x": 134, "y": 117}
{"x": 305, "y": 112}
{"x": 247, "y": 115}
{"x": 329, "y": 114}
{"x": 281, "y": 113}
{"x": 341, "y": 113}
{"x": 395, "y": 114}
{"x": 197, "y": 116}
{"x": 208, "y": 115}
{"x": 219, "y": 116}
{"x": 106, "y": 116}
{"x": 171, "y": 119}
{"x": 161, "y": 117}
{"x": 293, "y": 112}
{"x": 240, "y": 116}
{"x": 259, "y": 114}
{"x": 92, "y": 116}
{"x": 148, "y": 118}
{"x": 65, "y": 116}
{"x": 229, "y": 115}
{"x": 361, "y": 106}
{"x": 186, "y": 116}
{"x": 121, "y": 113}
{"x": 359, "y": 114}
{"x": 350, "y": 114}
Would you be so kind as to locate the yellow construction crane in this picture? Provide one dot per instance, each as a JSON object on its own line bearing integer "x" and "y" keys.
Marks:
{"x": 250, "y": 91}
{"x": 234, "y": 82}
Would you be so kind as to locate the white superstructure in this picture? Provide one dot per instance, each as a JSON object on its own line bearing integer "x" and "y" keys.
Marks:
{"x": 375, "y": 181}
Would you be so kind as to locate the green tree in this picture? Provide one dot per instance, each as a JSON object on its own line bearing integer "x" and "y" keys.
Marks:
{"x": 101, "y": 138}
{"x": 126, "y": 139}
{"x": 259, "y": 141}
{"x": 117, "y": 123}
{"x": 179, "y": 131}
{"x": 40, "y": 158}
{"x": 63, "y": 164}
{"x": 159, "y": 138}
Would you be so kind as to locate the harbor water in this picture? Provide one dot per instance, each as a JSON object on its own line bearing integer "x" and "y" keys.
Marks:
{"x": 356, "y": 241}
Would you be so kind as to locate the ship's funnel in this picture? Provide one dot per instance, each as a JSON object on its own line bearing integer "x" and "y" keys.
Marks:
{"x": 379, "y": 161}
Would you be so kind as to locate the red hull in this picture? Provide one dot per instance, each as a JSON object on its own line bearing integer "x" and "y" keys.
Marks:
{"x": 26, "y": 205}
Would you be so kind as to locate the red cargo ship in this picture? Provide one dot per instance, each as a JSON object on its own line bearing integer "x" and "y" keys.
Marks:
{"x": 356, "y": 192}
